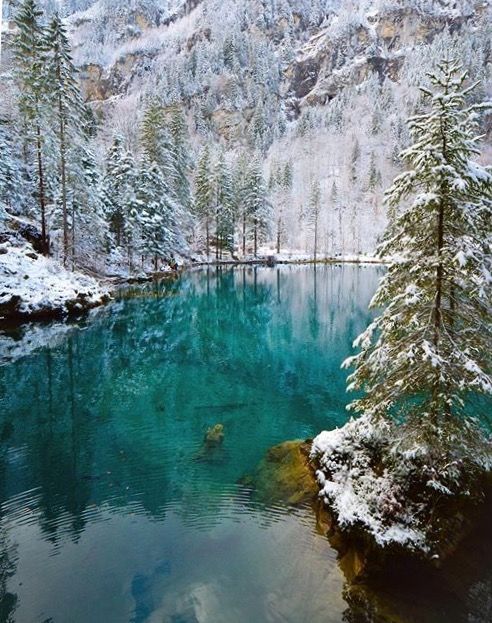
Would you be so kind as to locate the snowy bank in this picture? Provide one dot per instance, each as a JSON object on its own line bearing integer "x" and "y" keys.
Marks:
{"x": 385, "y": 484}
{"x": 34, "y": 286}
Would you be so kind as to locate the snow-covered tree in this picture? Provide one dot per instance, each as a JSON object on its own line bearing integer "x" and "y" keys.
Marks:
{"x": 430, "y": 348}
{"x": 205, "y": 193}
{"x": 68, "y": 110}
{"x": 160, "y": 215}
{"x": 225, "y": 214}
{"x": 11, "y": 183}
{"x": 180, "y": 158}
{"x": 257, "y": 206}
{"x": 29, "y": 69}
{"x": 118, "y": 188}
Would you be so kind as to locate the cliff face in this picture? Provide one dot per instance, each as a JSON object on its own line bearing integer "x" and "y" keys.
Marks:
{"x": 315, "y": 61}
{"x": 335, "y": 57}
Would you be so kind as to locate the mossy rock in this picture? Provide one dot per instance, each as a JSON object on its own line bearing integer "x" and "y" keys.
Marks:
{"x": 286, "y": 474}
{"x": 214, "y": 435}
{"x": 212, "y": 442}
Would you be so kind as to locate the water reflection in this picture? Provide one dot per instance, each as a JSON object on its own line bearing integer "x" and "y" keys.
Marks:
{"x": 107, "y": 515}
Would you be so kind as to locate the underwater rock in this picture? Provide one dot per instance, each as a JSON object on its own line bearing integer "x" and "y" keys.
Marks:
{"x": 214, "y": 435}
{"x": 213, "y": 440}
{"x": 285, "y": 474}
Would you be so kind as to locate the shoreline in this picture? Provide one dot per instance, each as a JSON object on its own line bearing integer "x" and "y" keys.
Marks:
{"x": 113, "y": 284}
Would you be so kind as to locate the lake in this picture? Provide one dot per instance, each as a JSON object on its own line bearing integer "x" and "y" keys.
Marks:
{"x": 110, "y": 509}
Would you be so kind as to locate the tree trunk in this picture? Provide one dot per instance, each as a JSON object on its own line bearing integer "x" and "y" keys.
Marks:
{"x": 42, "y": 197}
{"x": 279, "y": 230}
{"x": 244, "y": 234}
{"x": 315, "y": 239}
{"x": 73, "y": 236}
{"x": 63, "y": 174}
{"x": 207, "y": 229}
{"x": 438, "y": 308}
{"x": 256, "y": 239}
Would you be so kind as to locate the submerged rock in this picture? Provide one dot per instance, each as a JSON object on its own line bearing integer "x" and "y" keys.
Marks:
{"x": 285, "y": 474}
{"x": 214, "y": 436}
{"x": 213, "y": 440}
{"x": 392, "y": 582}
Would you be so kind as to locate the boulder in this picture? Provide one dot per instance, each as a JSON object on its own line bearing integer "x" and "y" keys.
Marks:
{"x": 285, "y": 474}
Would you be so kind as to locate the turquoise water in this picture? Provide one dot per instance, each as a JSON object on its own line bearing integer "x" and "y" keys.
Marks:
{"x": 109, "y": 511}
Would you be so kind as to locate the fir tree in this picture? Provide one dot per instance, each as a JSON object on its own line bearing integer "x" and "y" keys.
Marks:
{"x": 10, "y": 169}
{"x": 205, "y": 193}
{"x": 29, "y": 57}
{"x": 160, "y": 215}
{"x": 180, "y": 158}
{"x": 68, "y": 107}
{"x": 257, "y": 206}
{"x": 241, "y": 207}
{"x": 225, "y": 216}
{"x": 152, "y": 135}
{"x": 429, "y": 350}
{"x": 355, "y": 161}
{"x": 118, "y": 184}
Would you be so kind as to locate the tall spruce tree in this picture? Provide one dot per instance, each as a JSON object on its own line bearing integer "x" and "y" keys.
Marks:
{"x": 241, "y": 206}
{"x": 117, "y": 188}
{"x": 160, "y": 215}
{"x": 180, "y": 158}
{"x": 258, "y": 207}
{"x": 11, "y": 184}
{"x": 225, "y": 214}
{"x": 205, "y": 193}
{"x": 153, "y": 135}
{"x": 29, "y": 59}
{"x": 430, "y": 348}
{"x": 68, "y": 108}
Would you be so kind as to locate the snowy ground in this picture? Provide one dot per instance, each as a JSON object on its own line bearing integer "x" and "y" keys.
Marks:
{"x": 286, "y": 256}
{"x": 357, "y": 492}
{"x": 31, "y": 284}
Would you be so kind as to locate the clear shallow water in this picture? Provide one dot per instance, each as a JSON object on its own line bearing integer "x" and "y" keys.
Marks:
{"x": 106, "y": 512}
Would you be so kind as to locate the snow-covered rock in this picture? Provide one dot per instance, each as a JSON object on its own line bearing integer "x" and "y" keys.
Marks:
{"x": 32, "y": 285}
{"x": 392, "y": 489}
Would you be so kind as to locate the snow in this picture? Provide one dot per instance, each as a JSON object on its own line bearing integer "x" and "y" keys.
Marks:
{"x": 42, "y": 283}
{"x": 355, "y": 492}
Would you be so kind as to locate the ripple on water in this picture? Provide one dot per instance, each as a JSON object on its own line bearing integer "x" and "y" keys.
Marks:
{"x": 113, "y": 510}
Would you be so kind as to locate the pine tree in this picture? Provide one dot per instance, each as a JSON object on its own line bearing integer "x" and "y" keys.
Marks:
{"x": 355, "y": 161}
{"x": 87, "y": 215}
{"x": 117, "y": 188}
{"x": 225, "y": 216}
{"x": 205, "y": 193}
{"x": 152, "y": 135}
{"x": 286, "y": 181}
{"x": 68, "y": 107}
{"x": 241, "y": 207}
{"x": 28, "y": 49}
{"x": 374, "y": 177}
{"x": 429, "y": 350}
{"x": 160, "y": 215}
{"x": 11, "y": 183}
{"x": 180, "y": 158}
{"x": 257, "y": 206}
